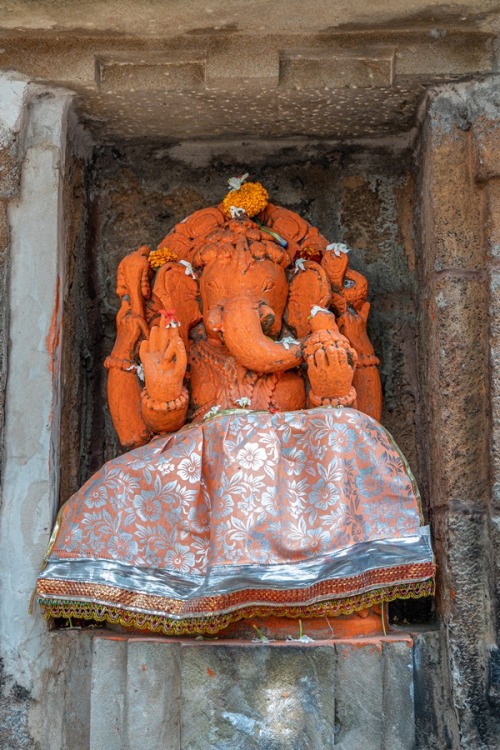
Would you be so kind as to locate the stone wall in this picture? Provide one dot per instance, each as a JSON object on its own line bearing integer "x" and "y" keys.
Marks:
{"x": 457, "y": 262}
{"x": 424, "y": 229}
{"x": 37, "y": 141}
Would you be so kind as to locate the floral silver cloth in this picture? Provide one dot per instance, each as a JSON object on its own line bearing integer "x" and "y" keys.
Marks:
{"x": 246, "y": 509}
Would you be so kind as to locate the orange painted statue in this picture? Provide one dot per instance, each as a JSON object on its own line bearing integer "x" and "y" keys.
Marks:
{"x": 259, "y": 481}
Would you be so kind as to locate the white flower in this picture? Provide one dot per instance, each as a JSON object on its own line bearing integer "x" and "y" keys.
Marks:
{"x": 251, "y": 485}
{"x": 96, "y": 497}
{"x": 294, "y": 462}
{"x": 181, "y": 494}
{"x": 236, "y": 212}
{"x": 342, "y": 439}
{"x": 148, "y": 507}
{"x": 202, "y": 549}
{"x": 302, "y": 639}
{"x": 72, "y": 539}
{"x": 213, "y": 411}
{"x": 244, "y": 402}
{"x": 288, "y": 341}
{"x": 189, "y": 468}
{"x": 121, "y": 486}
{"x": 338, "y": 247}
{"x": 252, "y": 456}
{"x": 138, "y": 369}
{"x": 189, "y": 268}
{"x": 122, "y": 546}
{"x": 180, "y": 558}
{"x": 165, "y": 468}
{"x": 296, "y": 493}
{"x": 236, "y": 182}
{"x": 299, "y": 265}
{"x": 317, "y": 309}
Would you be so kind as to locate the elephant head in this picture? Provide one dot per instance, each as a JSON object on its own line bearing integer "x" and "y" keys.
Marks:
{"x": 246, "y": 288}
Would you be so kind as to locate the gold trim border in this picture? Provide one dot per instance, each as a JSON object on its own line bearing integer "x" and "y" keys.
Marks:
{"x": 49, "y": 588}
{"x": 213, "y": 624}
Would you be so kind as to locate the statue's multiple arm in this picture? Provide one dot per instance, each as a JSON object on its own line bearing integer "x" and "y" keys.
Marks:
{"x": 366, "y": 376}
{"x": 124, "y": 387}
{"x": 341, "y": 366}
{"x": 349, "y": 292}
{"x": 330, "y": 363}
{"x": 164, "y": 399}
{"x": 140, "y": 411}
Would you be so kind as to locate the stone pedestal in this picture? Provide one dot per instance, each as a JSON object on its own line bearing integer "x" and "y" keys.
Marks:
{"x": 153, "y": 694}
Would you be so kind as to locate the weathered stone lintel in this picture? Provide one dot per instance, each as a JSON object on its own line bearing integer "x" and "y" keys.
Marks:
{"x": 160, "y": 72}
{"x": 243, "y": 62}
{"x": 329, "y": 61}
{"x": 320, "y": 70}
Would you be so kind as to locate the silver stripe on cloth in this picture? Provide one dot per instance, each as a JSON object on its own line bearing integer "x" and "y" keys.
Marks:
{"x": 226, "y": 579}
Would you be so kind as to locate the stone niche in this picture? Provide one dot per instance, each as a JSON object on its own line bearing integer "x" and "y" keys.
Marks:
{"x": 134, "y": 194}
{"x": 422, "y": 219}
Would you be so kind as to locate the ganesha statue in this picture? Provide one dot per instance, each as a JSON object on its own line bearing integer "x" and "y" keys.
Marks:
{"x": 258, "y": 478}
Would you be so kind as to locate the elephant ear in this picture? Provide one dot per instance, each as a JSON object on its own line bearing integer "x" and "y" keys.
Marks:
{"x": 355, "y": 289}
{"x": 308, "y": 287}
{"x": 285, "y": 222}
{"x": 335, "y": 267}
{"x": 181, "y": 239}
{"x": 174, "y": 289}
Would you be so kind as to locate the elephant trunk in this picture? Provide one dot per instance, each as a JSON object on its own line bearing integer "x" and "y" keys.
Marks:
{"x": 245, "y": 339}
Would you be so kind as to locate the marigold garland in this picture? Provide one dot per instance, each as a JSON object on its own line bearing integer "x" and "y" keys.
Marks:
{"x": 158, "y": 258}
{"x": 252, "y": 197}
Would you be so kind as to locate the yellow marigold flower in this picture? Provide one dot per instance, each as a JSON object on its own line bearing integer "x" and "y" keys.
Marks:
{"x": 158, "y": 257}
{"x": 251, "y": 196}
{"x": 309, "y": 252}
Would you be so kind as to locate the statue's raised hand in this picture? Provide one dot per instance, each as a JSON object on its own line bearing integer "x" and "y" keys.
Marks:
{"x": 132, "y": 280}
{"x": 132, "y": 286}
{"x": 352, "y": 324}
{"x": 164, "y": 361}
{"x": 329, "y": 357}
{"x": 129, "y": 330}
